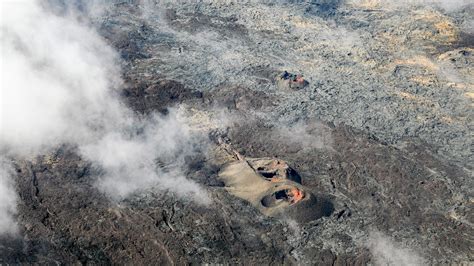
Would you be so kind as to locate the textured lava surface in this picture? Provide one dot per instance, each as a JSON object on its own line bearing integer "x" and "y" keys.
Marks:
{"x": 383, "y": 129}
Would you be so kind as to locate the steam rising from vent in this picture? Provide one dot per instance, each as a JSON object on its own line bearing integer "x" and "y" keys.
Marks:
{"x": 386, "y": 252}
{"x": 58, "y": 77}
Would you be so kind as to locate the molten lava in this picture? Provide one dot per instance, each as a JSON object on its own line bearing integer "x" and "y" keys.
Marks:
{"x": 295, "y": 195}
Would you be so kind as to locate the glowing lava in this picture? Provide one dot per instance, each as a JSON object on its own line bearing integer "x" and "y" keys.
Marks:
{"x": 295, "y": 195}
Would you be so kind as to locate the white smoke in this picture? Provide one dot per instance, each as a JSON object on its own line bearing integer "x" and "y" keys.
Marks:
{"x": 154, "y": 156}
{"x": 311, "y": 135}
{"x": 58, "y": 80}
{"x": 386, "y": 252}
{"x": 8, "y": 199}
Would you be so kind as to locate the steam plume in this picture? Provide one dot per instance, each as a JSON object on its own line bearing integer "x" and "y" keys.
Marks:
{"x": 58, "y": 81}
{"x": 386, "y": 252}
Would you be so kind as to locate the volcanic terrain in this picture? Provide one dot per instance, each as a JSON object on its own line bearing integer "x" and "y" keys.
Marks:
{"x": 318, "y": 132}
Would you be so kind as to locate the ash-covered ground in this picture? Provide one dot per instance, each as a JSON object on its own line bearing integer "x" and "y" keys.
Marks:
{"x": 382, "y": 131}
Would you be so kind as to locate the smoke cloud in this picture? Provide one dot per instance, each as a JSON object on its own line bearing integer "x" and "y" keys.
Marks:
{"x": 311, "y": 135}
{"x": 386, "y": 252}
{"x": 7, "y": 199}
{"x": 154, "y": 156}
{"x": 59, "y": 81}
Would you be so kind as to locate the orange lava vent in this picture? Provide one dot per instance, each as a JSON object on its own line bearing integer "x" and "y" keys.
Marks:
{"x": 295, "y": 195}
